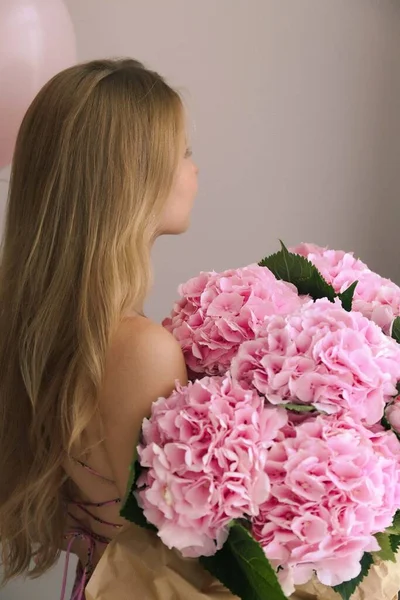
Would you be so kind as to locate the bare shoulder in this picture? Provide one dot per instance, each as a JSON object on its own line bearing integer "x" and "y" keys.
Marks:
{"x": 144, "y": 353}
{"x": 142, "y": 340}
{"x": 144, "y": 363}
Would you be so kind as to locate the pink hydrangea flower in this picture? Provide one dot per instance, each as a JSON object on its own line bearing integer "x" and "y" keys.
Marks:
{"x": 204, "y": 450}
{"x": 324, "y": 356}
{"x": 334, "y": 484}
{"x": 378, "y": 299}
{"x": 334, "y": 265}
{"x": 218, "y": 311}
{"x": 392, "y": 414}
{"x": 375, "y": 297}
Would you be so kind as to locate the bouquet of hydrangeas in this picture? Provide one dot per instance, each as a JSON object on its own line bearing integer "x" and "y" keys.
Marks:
{"x": 280, "y": 460}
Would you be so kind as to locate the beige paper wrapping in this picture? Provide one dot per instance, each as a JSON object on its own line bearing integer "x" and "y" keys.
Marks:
{"x": 381, "y": 583}
{"x": 137, "y": 566}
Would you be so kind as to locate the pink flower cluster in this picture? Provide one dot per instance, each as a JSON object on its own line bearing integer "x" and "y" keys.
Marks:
{"x": 334, "y": 484}
{"x": 315, "y": 487}
{"x": 204, "y": 451}
{"x": 375, "y": 297}
{"x": 324, "y": 356}
{"x": 219, "y": 311}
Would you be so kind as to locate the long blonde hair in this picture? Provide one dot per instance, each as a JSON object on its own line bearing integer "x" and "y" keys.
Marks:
{"x": 94, "y": 162}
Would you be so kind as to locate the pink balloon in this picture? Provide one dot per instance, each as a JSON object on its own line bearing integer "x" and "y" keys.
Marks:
{"x": 36, "y": 41}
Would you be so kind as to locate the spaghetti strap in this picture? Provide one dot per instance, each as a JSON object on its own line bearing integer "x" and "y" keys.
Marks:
{"x": 92, "y": 516}
{"x": 100, "y": 504}
{"x": 84, "y": 573}
{"x": 91, "y": 470}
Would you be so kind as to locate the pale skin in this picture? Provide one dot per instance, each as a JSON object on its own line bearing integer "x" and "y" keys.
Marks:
{"x": 144, "y": 363}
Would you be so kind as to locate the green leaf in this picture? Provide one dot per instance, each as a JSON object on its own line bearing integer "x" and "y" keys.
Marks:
{"x": 300, "y": 407}
{"x": 243, "y": 568}
{"x": 346, "y": 297}
{"x": 396, "y": 330}
{"x": 134, "y": 472}
{"x": 131, "y": 510}
{"x": 299, "y": 271}
{"x": 395, "y": 542}
{"x": 396, "y": 522}
{"x": 346, "y": 589}
{"x": 395, "y": 526}
{"x": 386, "y": 551}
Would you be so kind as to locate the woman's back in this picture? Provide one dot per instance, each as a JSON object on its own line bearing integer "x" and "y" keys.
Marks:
{"x": 143, "y": 363}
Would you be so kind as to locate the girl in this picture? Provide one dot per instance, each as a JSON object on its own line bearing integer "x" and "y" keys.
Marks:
{"x": 100, "y": 170}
